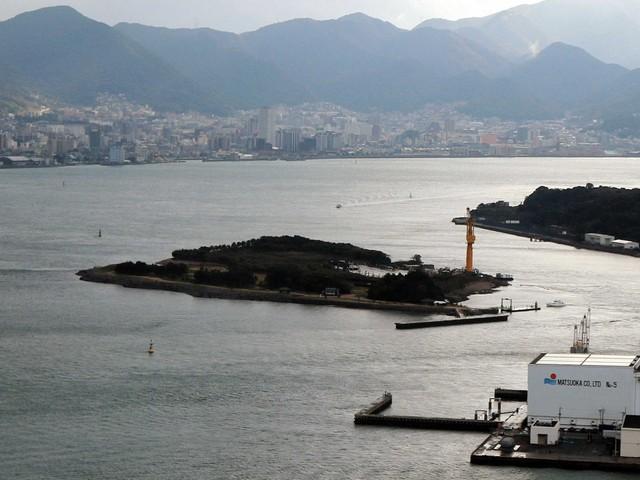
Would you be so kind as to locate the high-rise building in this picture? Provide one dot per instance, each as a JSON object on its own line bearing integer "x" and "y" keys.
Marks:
{"x": 308, "y": 144}
{"x": 4, "y": 141}
{"x": 267, "y": 125}
{"x": 322, "y": 141}
{"x": 252, "y": 127}
{"x": 376, "y": 132}
{"x": 220, "y": 142}
{"x": 95, "y": 138}
{"x": 58, "y": 144}
{"x": 329, "y": 141}
{"x": 522, "y": 135}
{"x": 336, "y": 141}
{"x": 116, "y": 154}
{"x": 289, "y": 139}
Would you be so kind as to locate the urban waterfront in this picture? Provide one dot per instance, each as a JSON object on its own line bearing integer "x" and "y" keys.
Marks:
{"x": 260, "y": 390}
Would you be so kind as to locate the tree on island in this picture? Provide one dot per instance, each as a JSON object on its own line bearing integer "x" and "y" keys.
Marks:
{"x": 170, "y": 270}
{"x": 238, "y": 277}
{"x": 414, "y": 287}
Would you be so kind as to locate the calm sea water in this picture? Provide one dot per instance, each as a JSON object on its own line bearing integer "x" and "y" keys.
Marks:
{"x": 256, "y": 390}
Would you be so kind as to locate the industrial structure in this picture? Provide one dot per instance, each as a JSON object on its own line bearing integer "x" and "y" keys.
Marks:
{"x": 582, "y": 335}
{"x": 582, "y": 392}
{"x": 605, "y": 240}
{"x": 471, "y": 238}
{"x": 581, "y": 411}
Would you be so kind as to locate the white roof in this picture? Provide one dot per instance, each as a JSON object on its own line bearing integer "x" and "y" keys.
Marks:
{"x": 604, "y": 235}
{"x": 587, "y": 360}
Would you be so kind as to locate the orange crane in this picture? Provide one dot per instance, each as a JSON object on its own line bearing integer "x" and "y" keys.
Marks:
{"x": 471, "y": 238}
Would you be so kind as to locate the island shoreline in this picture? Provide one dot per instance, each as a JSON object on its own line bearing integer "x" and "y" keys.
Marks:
{"x": 104, "y": 275}
{"x": 558, "y": 240}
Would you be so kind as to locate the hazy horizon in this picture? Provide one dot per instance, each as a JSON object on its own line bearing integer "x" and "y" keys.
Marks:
{"x": 249, "y": 15}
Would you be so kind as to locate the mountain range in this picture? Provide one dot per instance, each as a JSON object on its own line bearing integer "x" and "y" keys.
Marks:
{"x": 357, "y": 61}
{"x": 607, "y": 29}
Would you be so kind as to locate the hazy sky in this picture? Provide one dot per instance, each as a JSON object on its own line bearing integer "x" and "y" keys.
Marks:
{"x": 245, "y": 15}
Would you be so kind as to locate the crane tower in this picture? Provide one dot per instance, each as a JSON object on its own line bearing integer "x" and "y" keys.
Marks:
{"x": 582, "y": 335}
{"x": 471, "y": 238}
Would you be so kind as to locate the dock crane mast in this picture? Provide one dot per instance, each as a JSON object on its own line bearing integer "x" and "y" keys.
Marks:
{"x": 471, "y": 238}
{"x": 582, "y": 335}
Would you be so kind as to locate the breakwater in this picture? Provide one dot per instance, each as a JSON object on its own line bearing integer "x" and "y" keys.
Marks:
{"x": 453, "y": 321}
{"x": 371, "y": 416}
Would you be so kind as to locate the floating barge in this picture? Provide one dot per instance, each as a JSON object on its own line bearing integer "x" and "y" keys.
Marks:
{"x": 578, "y": 452}
{"x": 582, "y": 412}
{"x": 453, "y": 321}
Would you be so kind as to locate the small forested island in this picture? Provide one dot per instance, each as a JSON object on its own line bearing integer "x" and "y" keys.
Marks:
{"x": 296, "y": 269}
{"x": 600, "y": 218}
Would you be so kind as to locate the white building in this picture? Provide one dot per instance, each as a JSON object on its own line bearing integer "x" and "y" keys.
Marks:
{"x": 116, "y": 154}
{"x": 630, "y": 437}
{"x": 599, "y": 239}
{"x": 545, "y": 433}
{"x": 288, "y": 139}
{"x": 584, "y": 391}
{"x": 267, "y": 125}
{"x": 625, "y": 244}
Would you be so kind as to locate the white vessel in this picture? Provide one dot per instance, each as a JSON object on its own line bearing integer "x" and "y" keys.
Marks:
{"x": 556, "y": 304}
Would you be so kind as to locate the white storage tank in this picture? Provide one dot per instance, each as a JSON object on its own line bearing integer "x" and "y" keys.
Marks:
{"x": 583, "y": 390}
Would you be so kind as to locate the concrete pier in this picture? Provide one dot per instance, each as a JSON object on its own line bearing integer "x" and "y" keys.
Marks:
{"x": 370, "y": 416}
{"x": 430, "y": 423}
{"x": 531, "y": 308}
{"x": 378, "y": 406}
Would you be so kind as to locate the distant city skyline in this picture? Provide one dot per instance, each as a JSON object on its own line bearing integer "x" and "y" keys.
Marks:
{"x": 247, "y": 15}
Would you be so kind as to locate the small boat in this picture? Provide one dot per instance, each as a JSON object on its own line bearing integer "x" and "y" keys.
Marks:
{"x": 556, "y": 304}
{"x": 339, "y": 205}
{"x": 151, "y": 350}
{"x": 100, "y": 233}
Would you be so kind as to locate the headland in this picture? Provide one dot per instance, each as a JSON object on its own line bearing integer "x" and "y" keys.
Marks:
{"x": 601, "y": 218}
